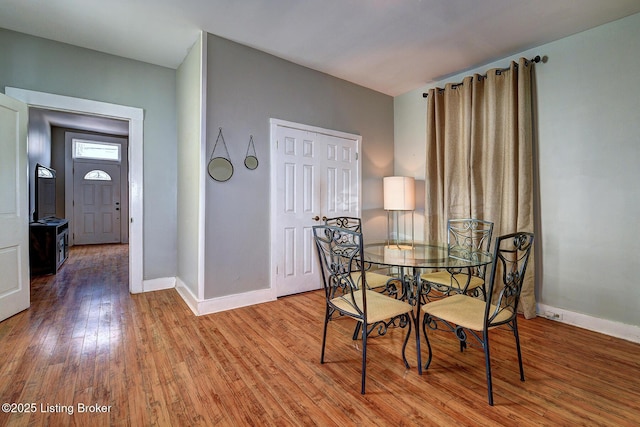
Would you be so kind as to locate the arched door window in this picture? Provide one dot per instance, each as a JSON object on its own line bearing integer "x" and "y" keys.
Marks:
{"x": 97, "y": 175}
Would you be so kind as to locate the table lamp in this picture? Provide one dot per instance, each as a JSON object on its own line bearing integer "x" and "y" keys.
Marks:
{"x": 399, "y": 195}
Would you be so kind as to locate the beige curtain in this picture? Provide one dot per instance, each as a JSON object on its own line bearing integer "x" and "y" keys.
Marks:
{"x": 479, "y": 157}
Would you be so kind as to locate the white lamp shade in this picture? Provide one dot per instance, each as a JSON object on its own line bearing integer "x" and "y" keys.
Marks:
{"x": 399, "y": 193}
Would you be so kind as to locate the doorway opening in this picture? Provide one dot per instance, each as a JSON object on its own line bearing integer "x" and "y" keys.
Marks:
{"x": 133, "y": 119}
{"x": 99, "y": 208}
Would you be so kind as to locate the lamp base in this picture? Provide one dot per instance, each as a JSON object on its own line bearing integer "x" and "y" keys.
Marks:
{"x": 396, "y": 242}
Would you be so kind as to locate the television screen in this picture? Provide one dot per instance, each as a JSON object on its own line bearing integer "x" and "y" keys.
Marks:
{"x": 45, "y": 193}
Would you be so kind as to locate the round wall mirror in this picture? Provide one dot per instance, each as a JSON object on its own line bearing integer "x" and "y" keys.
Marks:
{"x": 220, "y": 169}
{"x": 251, "y": 159}
{"x": 251, "y": 162}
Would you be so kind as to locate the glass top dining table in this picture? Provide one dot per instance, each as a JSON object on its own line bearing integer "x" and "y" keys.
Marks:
{"x": 423, "y": 255}
{"x": 413, "y": 258}
{"x": 416, "y": 257}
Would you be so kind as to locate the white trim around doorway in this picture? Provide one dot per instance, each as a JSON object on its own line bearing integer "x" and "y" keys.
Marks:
{"x": 135, "y": 117}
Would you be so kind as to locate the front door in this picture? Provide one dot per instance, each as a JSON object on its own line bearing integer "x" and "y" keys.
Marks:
{"x": 96, "y": 203}
{"x": 315, "y": 174}
{"x": 14, "y": 210}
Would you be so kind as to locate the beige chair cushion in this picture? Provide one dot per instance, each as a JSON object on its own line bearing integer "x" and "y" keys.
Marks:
{"x": 445, "y": 278}
{"x": 464, "y": 311}
{"x": 374, "y": 280}
{"x": 379, "y": 306}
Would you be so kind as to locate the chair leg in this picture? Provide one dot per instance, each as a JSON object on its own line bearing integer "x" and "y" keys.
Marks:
{"x": 424, "y": 332}
{"x": 416, "y": 320}
{"x": 487, "y": 358}
{"x": 356, "y": 331}
{"x": 406, "y": 340}
{"x": 462, "y": 338}
{"x": 364, "y": 355}
{"x": 324, "y": 333}
{"x": 515, "y": 332}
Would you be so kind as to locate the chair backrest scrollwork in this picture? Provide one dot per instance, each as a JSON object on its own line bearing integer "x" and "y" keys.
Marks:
{"x": 340, "y": 254}
{"x": 346, "y": 222}
{"x": 510, "y": 259}
{"x": 465, "y": 237}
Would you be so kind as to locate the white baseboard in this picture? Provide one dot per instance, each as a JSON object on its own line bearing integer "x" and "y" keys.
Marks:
{"x": 228, "y": 302}
{"x": 608, "y": 327}
{"x": 158, "y": 284}
{"x": 186, "y": 294}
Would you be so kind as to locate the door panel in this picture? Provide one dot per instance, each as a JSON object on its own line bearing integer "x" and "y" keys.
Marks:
{"x": 342, "y": 198}
{"x": 14, "y": 216}
{"x": 316, "y": 175}
{"x": 96, "y": 204}
{"x": 297, "y": 182}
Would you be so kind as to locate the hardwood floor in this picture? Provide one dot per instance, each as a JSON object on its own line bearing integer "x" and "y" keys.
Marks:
{"x": 147, "y": 360}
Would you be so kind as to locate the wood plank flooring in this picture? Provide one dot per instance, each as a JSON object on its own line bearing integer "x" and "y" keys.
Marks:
{"x": 146, "y": 360}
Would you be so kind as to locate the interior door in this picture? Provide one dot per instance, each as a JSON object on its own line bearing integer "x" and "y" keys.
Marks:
{"x": 96, "y": 203}
{"x": 14, "y": 211}
{"x": 316, "y": 176}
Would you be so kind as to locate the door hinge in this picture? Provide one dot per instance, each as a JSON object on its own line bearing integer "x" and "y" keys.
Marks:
{"x": 356, "y": 156}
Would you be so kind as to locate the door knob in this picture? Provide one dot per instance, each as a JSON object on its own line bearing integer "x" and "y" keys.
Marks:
{"x": 316, "y": 218}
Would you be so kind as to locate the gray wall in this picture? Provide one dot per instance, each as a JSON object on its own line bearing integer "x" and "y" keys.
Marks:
{"x": 246, "y": 88}
{"x": 37, "y": 64}
{"x": 39, "y": 151}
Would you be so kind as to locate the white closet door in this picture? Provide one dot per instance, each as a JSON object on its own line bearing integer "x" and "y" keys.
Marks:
{"x": 316, "y": 176}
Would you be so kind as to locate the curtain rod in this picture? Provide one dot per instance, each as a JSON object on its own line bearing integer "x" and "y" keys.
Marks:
{"x": 536, "y": 60}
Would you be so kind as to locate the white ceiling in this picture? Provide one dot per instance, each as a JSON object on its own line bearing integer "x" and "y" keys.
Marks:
{"x": 391, "y": 46}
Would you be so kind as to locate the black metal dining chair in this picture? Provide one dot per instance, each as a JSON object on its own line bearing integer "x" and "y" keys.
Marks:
{"x": 381, "y": 280}
{"x": 464, "y": 236}
{"x": 468, "y": 317}
{"x": 340, "y": 254}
